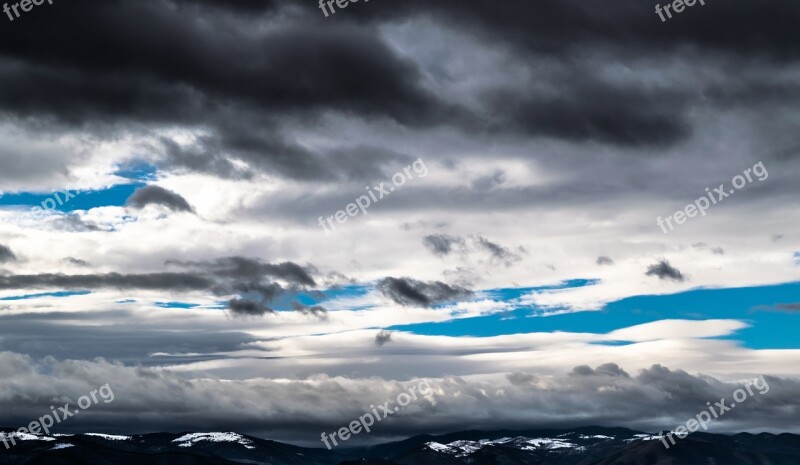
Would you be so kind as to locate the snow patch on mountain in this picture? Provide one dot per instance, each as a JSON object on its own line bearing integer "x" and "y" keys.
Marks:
{"x": 188, "y": 440}
{"x": 464, "y": 448}
{"x": 644, "y": 437}
{"x": 62, "y": 446}
{"x": 596, "y": 436}
{"x": 110, "y": 437}
{"x": 437, "y": 447}
{"x": 17, "y": 436}
{"x": 549, "y": 443}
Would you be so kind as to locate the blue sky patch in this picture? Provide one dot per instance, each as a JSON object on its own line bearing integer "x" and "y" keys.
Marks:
{"x": 185, "y": 305}
{"x": 46, "y": 294}
{"x": 113, "y": 196}
{"x": 769, "y": 328}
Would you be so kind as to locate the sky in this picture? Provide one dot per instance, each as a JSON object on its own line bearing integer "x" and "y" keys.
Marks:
{"x": 250, "y": 216}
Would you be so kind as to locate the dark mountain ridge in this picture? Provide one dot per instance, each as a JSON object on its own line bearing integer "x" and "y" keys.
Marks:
{"x": 592, "y": 445}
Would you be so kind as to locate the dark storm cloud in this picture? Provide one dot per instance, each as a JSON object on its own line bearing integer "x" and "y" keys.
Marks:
{"x": 442, "y": 244}
{"x": 407, "y": 291}
{"x": 555, "y": 26}
{"x": 249, "y": 6}
{"x": 558, "y": 26}
{"x": 343, "y": 67}
{"x": 664, "y": 270}
{"x": 221, "y": 71}
{"x": 144, "y": 82}
{"x": 243, "y": 83}
{"x": 6, "y": 255}
{"x": 156, "y": 195}
{"x": 588, "y": 109}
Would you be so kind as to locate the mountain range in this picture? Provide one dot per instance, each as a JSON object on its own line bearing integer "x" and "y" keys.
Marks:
{"x": 579, "y": 446}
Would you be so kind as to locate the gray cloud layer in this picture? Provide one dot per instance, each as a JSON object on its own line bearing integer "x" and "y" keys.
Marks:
{"x": 231, "y": 275}
{"x": 147, "y": 399}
